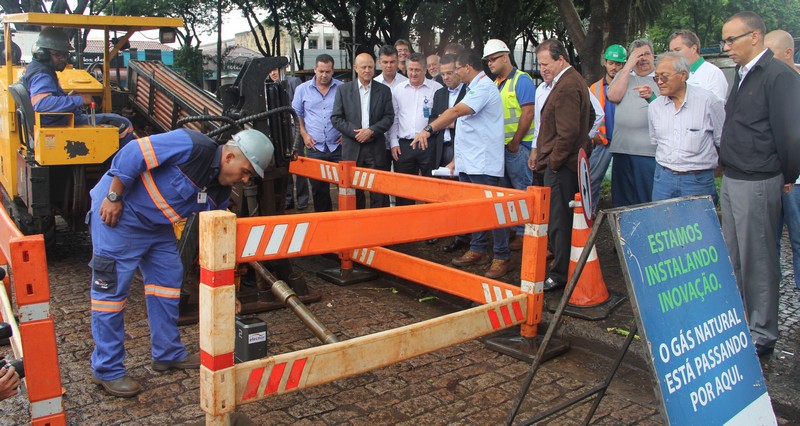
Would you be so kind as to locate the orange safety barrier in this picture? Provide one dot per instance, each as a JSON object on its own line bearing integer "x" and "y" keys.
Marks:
{"x": 34, "y": 339}
{"x": 357, "y": 235}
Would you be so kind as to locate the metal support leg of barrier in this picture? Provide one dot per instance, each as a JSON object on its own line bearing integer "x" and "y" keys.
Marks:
{"x": 524, "y": 343}
{"x": 347, "y": 273}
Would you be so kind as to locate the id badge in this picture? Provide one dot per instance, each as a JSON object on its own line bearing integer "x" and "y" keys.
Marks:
{"x": 202, "y": 198}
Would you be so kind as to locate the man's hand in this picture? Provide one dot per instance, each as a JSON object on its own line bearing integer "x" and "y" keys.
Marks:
{"x": 788, "y": 187}
{"x": 452, "y": 166}
{"x": 635, "y": 57}
{"x": 512, "y": 147}
{"x": 339, "y": 141}
{"x": 396, "y": 153}
{"x": 645, "y": 92}
{"x": 110, "y": 212}
{"x": 9, "y": 382}
{"x": 532, "y": 160}
{"x": 308, "y": 141}
{"x": 364, "y": 135}
{"x": 421, "y": 140}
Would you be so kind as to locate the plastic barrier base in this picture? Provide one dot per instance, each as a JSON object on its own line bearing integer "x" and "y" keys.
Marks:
{"x": 343, "y": 277}
{"x": 509, "y": 342}
{"x": 596, "y": 312}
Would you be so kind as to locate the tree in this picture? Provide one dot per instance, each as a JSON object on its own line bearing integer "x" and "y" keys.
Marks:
{"x": 197, "y": 15}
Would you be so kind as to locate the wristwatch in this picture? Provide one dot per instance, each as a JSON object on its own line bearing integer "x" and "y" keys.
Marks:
{"x": 428, "y": 129}
{"x": 113, "y": 197}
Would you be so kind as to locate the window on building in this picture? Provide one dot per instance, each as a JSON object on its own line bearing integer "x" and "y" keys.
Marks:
{"x": 312, "y": 43}
{"x": 329, "y": 44}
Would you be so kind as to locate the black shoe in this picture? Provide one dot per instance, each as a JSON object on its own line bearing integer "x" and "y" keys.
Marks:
{"x": 191, "y": 362}
{"x": 551, "y": 284}
{"x": 764, "y": 351}
{"x": 454, "y": 246}
{"x": 432, "y": 241}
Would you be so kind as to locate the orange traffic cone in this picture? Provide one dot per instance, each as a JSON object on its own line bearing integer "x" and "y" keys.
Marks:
{"x": 591, "y": 288}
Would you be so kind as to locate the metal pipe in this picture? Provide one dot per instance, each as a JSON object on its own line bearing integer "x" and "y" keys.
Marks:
{"x": 285, "y": 294}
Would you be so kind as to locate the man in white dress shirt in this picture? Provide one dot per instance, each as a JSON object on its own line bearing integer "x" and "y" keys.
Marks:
{"x": 701, "y": 73}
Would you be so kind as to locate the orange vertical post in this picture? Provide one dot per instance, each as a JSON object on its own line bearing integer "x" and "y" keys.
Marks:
{"x": 37, "y": 330}
{"x": 534, "y": 255}
{"x": 347, "y": 201}
{"x": 217, "y": 315}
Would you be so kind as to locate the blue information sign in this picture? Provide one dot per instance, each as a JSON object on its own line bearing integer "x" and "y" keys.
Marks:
{"x": 682, "y": 287}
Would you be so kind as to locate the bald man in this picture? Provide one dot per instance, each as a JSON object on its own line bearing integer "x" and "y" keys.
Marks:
{"x": 363, "y": 113}
{"x": 781, "y": 44}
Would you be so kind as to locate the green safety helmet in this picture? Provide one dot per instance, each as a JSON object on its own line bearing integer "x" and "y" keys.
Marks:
{"x": 256, "y": 147}
{"x": 53, "y": 39}
{"x": 616, "y": 53}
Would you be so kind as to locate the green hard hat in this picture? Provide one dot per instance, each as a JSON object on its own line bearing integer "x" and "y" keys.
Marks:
{"x": 616, "y": 53}
{"x": 54, "y": 39}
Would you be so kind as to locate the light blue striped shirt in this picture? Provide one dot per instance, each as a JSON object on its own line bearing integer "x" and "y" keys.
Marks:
{"x": 687, "y": 139}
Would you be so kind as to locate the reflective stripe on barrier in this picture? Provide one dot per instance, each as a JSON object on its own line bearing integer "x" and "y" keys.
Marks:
{"x": 47, "y": 407}
{"x": 280, "y": 374}
{"x": 34, "y": 312}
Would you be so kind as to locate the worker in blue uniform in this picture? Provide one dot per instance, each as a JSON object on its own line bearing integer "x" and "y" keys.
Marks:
{"x": 51, "y": 54}
{"x": 154, "y": 182}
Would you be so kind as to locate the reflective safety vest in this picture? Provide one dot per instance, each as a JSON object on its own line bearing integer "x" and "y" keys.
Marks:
{"x": 600, "y": 94}
{"x": 512, "y": 111}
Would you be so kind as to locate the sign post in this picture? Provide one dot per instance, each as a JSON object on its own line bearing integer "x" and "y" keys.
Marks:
{"x": 689, "y": 312}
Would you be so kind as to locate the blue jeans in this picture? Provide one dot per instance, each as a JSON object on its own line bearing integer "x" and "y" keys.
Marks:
{"x": 518, "y": 175}
{"x": 668, "y": 185}
{"x": 598, "y": 166}
{"x": 791, "y": 215}
{"x": 632, "y": 179}
{"x": 480, "y": 240}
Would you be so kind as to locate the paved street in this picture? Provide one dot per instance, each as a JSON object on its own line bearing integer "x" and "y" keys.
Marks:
{"x": 465, "y": 384}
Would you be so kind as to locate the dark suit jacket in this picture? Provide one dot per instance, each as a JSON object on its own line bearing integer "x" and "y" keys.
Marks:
{"x": 346, "y": 117}
{"x": 761, "y": 134}
{"x": 567, "y": 117}
{"x": 441, "y": 102}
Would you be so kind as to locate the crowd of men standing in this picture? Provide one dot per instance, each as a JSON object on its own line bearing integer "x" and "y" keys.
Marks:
{"x": 667, "y": 122}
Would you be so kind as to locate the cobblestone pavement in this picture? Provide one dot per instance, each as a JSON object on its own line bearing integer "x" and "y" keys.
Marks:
{"x": 463, "y": 385}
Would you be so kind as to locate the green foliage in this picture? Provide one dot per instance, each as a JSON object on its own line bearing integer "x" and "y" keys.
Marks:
{"x": 706, "y": 17}
{"x": 189, "y": 64}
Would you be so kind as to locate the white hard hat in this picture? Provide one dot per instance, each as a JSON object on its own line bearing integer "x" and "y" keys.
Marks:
{"x": 256, "y": 147}
{"x": 494, "y": 46}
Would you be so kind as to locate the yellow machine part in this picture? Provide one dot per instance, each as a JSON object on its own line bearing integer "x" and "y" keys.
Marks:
{"x": 57, "y": 146}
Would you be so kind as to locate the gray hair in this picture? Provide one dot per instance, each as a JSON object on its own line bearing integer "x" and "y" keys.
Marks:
{"x": 679, "y": 63}
{"x": 641, "y": 42}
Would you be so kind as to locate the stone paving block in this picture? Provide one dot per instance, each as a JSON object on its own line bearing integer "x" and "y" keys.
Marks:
{"x": 311, "y": 407}
{"x": 388, "y": 384}
{"x": 483, "y": 381}
{"x": 417, "y": 406}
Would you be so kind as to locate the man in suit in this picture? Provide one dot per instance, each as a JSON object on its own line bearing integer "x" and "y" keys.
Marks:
{"x": 363, "y": 113}
{"x": 567, "y": 117}
{"x": 445, "y": 98}
{"x": 760, "y": 156}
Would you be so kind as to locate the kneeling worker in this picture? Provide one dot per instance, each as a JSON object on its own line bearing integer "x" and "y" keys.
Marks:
{"x": 51, "y": 54}
{"x": 154, "y": 182}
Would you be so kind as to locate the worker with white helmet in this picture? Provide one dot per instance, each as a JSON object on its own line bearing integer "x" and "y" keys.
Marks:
{"x": 518, "y": 93}
{"x": 153, "y": 183}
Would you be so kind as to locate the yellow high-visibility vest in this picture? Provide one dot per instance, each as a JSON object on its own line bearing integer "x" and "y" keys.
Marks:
{"x": 512, "y": 111}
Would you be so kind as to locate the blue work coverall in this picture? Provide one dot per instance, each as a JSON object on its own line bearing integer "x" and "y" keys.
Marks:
{"x": 167, "y": 177}
{"x": 48, "y": 96}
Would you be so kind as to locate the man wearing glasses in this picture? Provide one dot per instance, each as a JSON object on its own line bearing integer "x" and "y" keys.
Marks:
{"x": 478, "y": 153}
{"x": 685, "y": 125}
{"x": 760, "y": 155}
{"x": 51, "y": 54}
{"x": 518, "y": 94}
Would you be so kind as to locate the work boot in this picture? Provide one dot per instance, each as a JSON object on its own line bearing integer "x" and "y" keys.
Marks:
{"x": 123, "y": 387}
{"x": 471, "y": 258}
{"x": 191, "y": 362}
{"x": 516, "y": 243}
{"x": 499, "y": 268}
